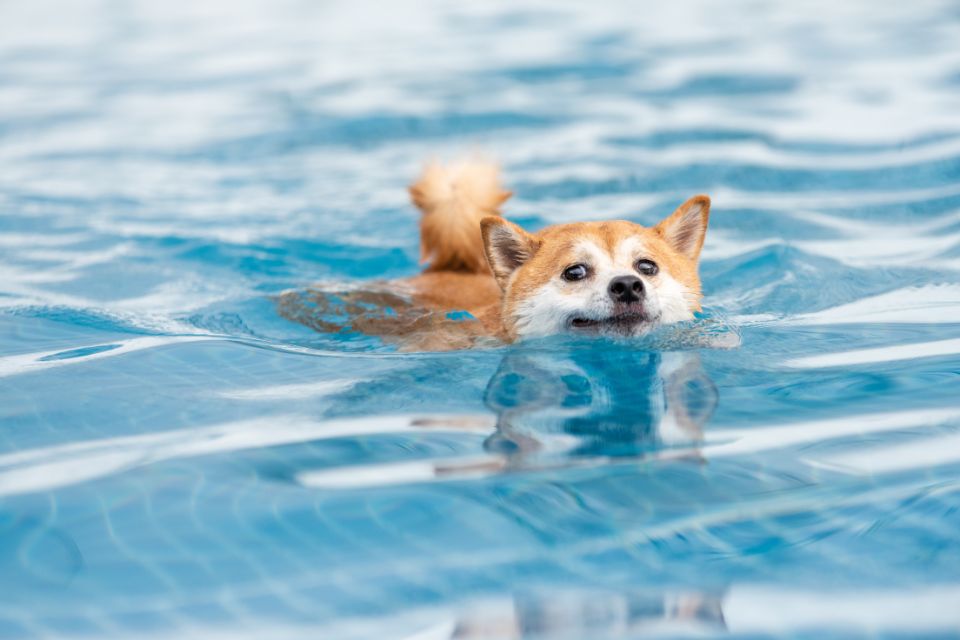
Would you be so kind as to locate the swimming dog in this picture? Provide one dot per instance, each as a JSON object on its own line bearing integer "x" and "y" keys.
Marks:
{"x": 486, "y": 277}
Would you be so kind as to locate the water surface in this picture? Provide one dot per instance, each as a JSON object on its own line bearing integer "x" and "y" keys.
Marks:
{"x": 177, "y": 460}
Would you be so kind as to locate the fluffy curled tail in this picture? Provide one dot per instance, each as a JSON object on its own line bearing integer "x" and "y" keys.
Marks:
{"x": 453, "y": 200}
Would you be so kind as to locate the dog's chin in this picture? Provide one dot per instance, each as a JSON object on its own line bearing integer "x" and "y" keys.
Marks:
{"x": 630, "y": 323}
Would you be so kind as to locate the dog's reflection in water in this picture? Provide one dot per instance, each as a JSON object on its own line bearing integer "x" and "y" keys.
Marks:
{"x": 552, "y": 614}
{"x": 598, "y": 403}
{"x": 558, "y": 409}
{"x": 582, "y": 408}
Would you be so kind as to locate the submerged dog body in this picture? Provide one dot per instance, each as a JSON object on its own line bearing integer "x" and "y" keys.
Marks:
{"x": 488, "y": 278}
{"x": 614, "y": 277}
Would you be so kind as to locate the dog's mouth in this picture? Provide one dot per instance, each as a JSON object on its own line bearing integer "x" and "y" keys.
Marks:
{"x": 618, "y": 322}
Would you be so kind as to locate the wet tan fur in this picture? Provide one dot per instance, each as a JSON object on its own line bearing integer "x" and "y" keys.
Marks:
{"x": 453, "y": 201}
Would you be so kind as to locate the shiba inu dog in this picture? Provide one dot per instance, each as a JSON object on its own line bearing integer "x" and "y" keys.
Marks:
{"x": 488, "y": 278}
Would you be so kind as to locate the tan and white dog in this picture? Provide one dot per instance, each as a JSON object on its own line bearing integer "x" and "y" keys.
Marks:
{"x": 488, "y": 278}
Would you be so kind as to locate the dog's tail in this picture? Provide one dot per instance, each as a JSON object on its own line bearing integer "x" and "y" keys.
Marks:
{"x": 453, "y": 200}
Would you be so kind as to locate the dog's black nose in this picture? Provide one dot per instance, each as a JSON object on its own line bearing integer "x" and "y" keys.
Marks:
{"x": 626, "y": 289}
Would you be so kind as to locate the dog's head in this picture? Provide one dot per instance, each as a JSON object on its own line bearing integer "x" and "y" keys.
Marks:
{"x": 609, "y": 278}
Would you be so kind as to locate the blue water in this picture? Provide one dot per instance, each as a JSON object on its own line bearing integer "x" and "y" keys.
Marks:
{"x": 178, "y": 460}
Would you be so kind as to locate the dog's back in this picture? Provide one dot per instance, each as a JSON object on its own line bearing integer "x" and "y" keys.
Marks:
{"x": 454, "y": 302}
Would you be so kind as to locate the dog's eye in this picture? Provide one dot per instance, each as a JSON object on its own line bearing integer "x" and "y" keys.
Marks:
{"x": 575, "y": 272}
{"x": 647, "y": 267}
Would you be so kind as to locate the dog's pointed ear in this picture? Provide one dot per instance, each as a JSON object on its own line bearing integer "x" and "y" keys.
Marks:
{"x": 507, "y": 247}
{"x": 686, "y": 227}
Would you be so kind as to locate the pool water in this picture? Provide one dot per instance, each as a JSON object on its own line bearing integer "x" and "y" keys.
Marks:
{"x": 178, "y": 460}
